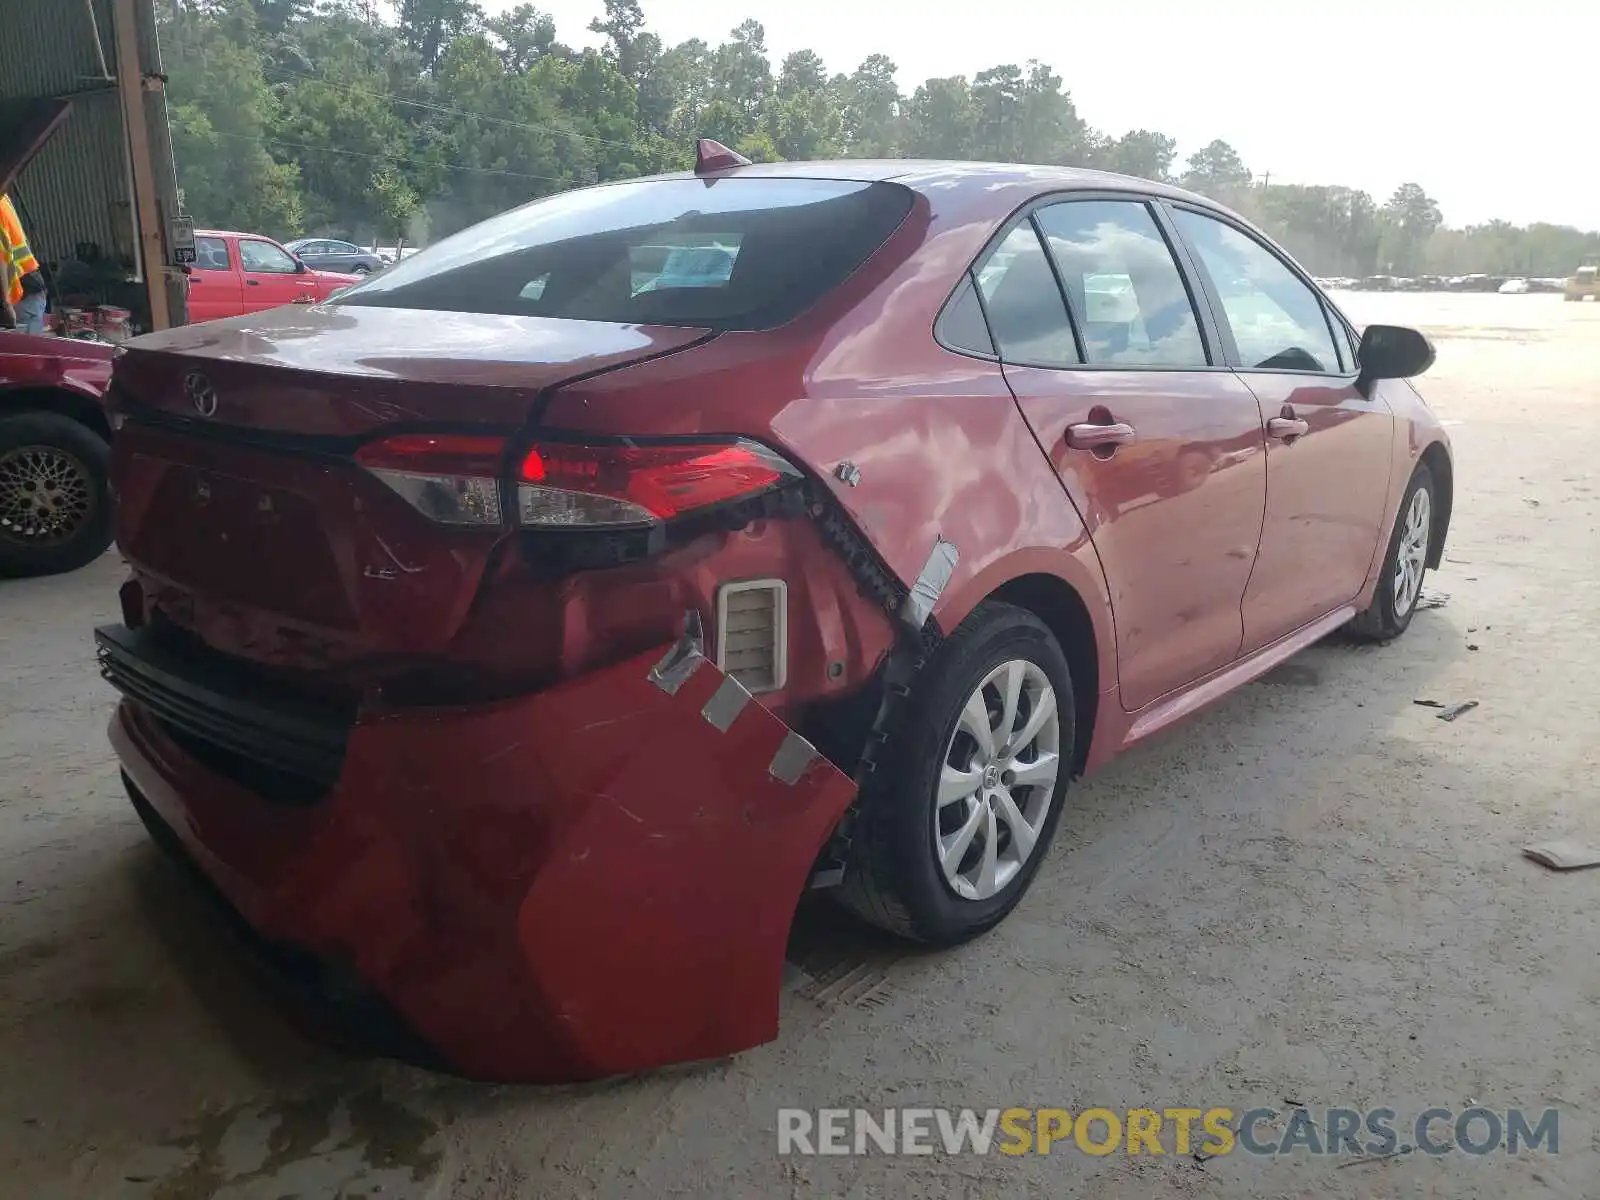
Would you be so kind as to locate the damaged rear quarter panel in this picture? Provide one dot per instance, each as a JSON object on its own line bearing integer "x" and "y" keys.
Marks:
{"x": 941, "y": 450}
{"x": 589, "y": 619}
{"x": 940, "y": 446}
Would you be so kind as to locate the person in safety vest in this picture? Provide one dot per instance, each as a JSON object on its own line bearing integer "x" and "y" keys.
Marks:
{"x": 25, "y": 287}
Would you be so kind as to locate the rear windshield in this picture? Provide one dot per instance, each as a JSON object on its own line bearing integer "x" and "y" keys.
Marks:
{"x": 725, "y": 254}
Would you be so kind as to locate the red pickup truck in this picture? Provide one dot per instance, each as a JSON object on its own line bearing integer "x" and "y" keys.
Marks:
{"x": 238, "y": 273}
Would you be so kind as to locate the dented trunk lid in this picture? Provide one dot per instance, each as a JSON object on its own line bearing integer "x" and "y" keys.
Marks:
{"x": 242, "y": 511}
{"x": 338, "y": 371}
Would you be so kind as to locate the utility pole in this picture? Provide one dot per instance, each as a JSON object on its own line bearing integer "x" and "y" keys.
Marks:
{"x": 146, "y": 211}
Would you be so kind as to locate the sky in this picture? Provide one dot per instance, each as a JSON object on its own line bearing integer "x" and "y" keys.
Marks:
{"x": 1493, "y": 106}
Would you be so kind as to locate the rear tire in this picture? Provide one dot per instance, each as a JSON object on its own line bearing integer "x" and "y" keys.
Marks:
{"x": 361, "y": 269}
{"x": 1400, "y": 582}
{"x": 910, "y": 871}
{"x": 55, "y": 503}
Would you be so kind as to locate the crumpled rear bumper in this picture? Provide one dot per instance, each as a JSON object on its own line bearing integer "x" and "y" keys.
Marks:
{"x": 594, "y": 879}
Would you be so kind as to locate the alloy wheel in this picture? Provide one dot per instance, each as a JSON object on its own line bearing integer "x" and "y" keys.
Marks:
{"x": 46, "y": 496}
{"x": 1411, "y": 558}
{"x": 997, "y": 779}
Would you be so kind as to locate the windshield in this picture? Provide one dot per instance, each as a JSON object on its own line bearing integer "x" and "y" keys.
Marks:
{"x": 724, "y": 254}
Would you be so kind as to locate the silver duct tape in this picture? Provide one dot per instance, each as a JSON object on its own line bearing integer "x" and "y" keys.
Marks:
{"x": 794, "y": 756}
{"x": 726, "y": 703}
{"x": 684, "y": 659}
{"x": 930, "y": 584}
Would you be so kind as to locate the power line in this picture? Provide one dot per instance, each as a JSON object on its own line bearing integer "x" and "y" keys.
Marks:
{"x": 451, "y": 112}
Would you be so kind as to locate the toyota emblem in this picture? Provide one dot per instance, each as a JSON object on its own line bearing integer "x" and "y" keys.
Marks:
{"x": 201, "y": 392}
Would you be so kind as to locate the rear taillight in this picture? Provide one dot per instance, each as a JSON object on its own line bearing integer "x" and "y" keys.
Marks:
{"x": 568, "y": 485}
{"x": 452, "y": 478}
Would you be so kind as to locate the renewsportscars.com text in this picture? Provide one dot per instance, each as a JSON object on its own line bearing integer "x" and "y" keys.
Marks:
{"x": 1206, "y": 1132}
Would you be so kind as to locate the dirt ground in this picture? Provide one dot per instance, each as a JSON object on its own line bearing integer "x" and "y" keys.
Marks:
{"x": 1314, "y": 892}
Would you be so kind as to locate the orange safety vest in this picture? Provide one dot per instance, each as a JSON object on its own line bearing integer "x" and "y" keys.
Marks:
{"x": 14, "y": 244}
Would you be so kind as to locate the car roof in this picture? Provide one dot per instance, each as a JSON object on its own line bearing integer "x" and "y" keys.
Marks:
{"x": 1003, "y": 184}
{"x": 229, "y": 233}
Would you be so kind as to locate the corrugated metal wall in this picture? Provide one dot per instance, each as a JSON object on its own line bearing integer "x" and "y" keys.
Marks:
{"x": 79, "y": 188}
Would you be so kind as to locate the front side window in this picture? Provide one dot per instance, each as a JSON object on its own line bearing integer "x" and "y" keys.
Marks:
{"x": 731, "y": 253}
{"x": 1124, "y": 287}
{"x": 265, "y": 257}
{"x": 211, "y": 254}
{"x": 340, "y": 248}
{"x": 1277, "y": 320}
{"x": 1023, "y": 301}
{"x": 1342, "y": 339}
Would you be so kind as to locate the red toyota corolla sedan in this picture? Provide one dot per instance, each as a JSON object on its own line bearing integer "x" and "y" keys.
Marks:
{"x": 513, "y": 639}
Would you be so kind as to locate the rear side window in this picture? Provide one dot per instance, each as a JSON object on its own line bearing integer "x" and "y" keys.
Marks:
{"x": 1123, "y": 284}
{"x": 962, "y": 326}
{"x": 1024, "y": 303}
{"x": 724, "y": 254}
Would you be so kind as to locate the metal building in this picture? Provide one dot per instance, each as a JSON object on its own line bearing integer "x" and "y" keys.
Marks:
{"x": 85, "y": 150}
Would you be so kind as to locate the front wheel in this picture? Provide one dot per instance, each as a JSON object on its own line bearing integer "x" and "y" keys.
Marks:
{"x": 55, "y": 504}
{"x": 360, "y": 269}
{"x": 973, "y": 780}
{"x": 1400, "y": 584}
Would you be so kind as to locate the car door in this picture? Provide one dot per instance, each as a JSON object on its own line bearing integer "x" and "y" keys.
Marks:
{"x": 271, "y": 275}
{"x": 1160, "y": 450}
{"x": 1328, "y": 445}
{"x": 342, "y": 256}
{"x": 215, "y": 285}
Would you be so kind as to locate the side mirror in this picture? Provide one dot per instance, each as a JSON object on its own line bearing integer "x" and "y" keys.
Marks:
{"x": 300, "y": 267}
{"x": 1393, "y": 352}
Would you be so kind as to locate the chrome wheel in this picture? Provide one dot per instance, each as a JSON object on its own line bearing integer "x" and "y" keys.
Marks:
{"x": 1412, "y": 556}
{"x": 46, "y": 496}
{"x": 997, "y": 779}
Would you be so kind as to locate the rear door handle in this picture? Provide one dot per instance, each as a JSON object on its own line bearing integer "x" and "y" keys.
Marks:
{"x": 1092, "y": 437}
{"x": 1288, "y": 428}
{"x": 252, "y": 283}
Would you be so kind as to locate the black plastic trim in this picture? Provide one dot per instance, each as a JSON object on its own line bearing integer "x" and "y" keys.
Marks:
{"x": 225, "y": 709}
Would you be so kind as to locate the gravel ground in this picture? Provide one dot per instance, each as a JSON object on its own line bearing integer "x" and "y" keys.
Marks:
{"x": 1314, "y": 892}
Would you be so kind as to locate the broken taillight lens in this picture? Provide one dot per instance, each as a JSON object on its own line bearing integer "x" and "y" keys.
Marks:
{"x": 569, "y": 485}
{"x": 451, "y": 478}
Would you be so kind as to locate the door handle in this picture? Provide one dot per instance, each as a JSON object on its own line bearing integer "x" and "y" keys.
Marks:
{"x": 252, "y": 283}
{"x": 1093, "y": 437}
{"x": 1288, "y": 428}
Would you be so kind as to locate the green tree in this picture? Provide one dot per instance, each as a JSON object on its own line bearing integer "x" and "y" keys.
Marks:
{"x": 997, "y": 96}
{"x": 1410, "y": 218}
{"x": 870, "y": 116}
{"x": 428, "y": 26}
{"x": 621, "y": 25}
{"x": 803, "y": 120}
{"x": 1051, "y": 129}
{"x": 366, "y": 116}
{"x": 675, "y": 94}
{"x": 224, "y": 117}
{"x": 741, "y": 73}
{"x": 1217, "y": 171}
{"x": 523, "y": 36}
{"x": 943, "y": 120}
{"x": 1140, "y": 152}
